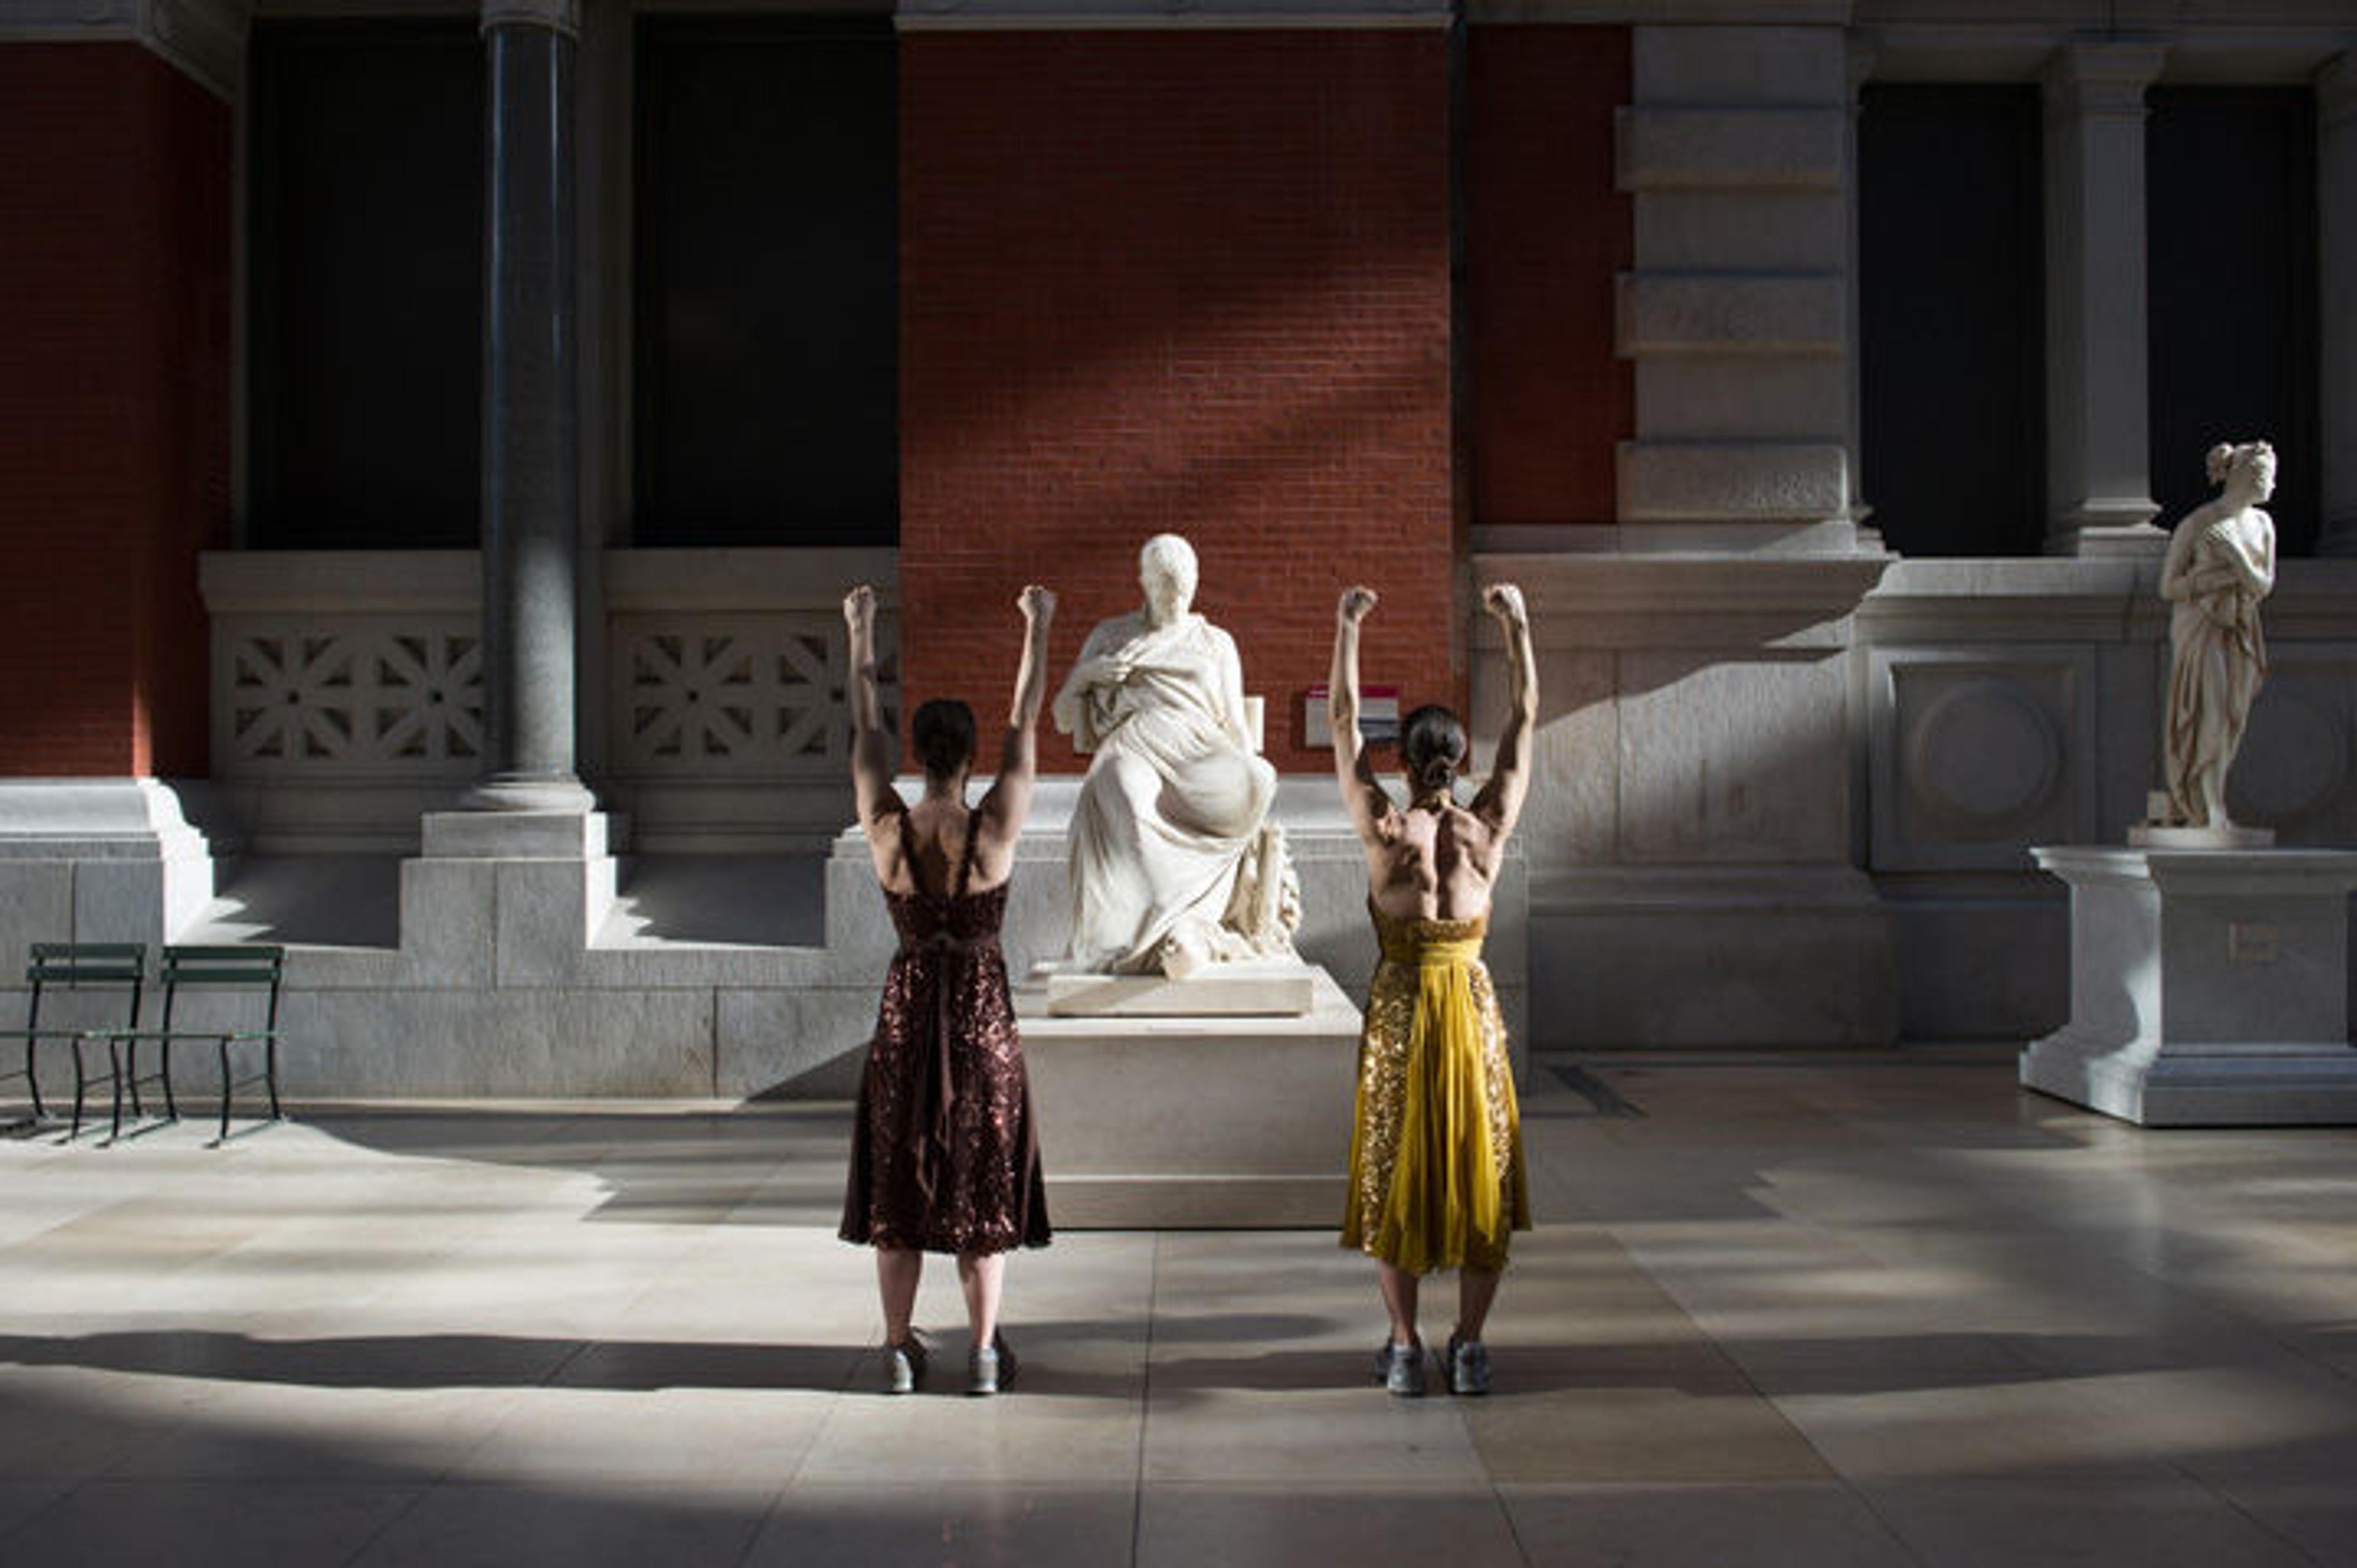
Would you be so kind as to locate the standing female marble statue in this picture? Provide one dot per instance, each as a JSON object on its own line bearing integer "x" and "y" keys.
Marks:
{"x": 1174, "y": 863}
{"x": 2221, "y": 563}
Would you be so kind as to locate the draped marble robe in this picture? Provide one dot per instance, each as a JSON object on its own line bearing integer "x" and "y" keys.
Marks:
{"x": 2222, "y": 567}
{"x": 1174, "y": 809}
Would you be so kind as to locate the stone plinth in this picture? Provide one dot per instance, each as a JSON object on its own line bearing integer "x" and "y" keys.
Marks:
{"x": 1219, "y": 1122}
{"x": 1261, "y": 988}
{"x": 2208, "y": 987}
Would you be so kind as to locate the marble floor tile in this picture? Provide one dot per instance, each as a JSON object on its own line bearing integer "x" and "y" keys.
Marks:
{"x": 686, "y": 1441}
{"x": 939, "y": 1436}
{"x": 1271, "y": 1525}
{"x": 201, "y": 1523}
{"x": 581, "y": 1524}
{"x": 2149, "y": 1523}
{"x": 271, "y": 1432}
{"x": 1689, "y": 1425}
{"x": 1822, "y": 1524}
{"x": 2317, "y": 1514}
{"x": 1016, "y": 1525}
{"x": 1306, "y": 1435}
{"x": 1805, "y": 1308}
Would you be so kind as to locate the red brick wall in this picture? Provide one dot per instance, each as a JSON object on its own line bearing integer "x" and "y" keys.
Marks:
{"x": 1546, "y": 232}
{"x": 1194, "y": 281}
{"x": 114, "y": 405}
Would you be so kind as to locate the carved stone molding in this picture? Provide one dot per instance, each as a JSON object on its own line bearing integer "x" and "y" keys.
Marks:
{"x": 1002, "y": 16}
{"x": 2103, "y": 81}
{"x": 204, "y": 39}
{"x": 557, "y": 15}
{"x": 1977, "y": 752}
{"x": 2336, "y": 92}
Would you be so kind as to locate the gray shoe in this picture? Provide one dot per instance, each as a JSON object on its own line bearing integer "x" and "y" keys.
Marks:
{"x": 1468, "y": 1366}
{"x": 1401, "y": 1367}
{"x": 990, "y": 1368}
{"x": 904, "y": 1366}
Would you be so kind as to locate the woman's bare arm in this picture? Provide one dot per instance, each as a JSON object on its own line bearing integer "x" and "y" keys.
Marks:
{"x": 1002, "y": 811}
{"x": 1371, "y": 809}
{"x": 880, "y": 803}
{"x": 1500, "y": 804}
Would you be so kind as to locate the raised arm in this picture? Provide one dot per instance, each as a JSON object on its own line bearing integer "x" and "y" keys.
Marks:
{"x": 1009, "y": 798}
{"x": 880, "y": 804}
{"x": 1371, "y": 809}
{"x": 871, "y": 749}
{"x": 1500, "y": 804}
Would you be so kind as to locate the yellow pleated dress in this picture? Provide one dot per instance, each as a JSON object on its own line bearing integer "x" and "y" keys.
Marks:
{"x": 1437, "y": 1174}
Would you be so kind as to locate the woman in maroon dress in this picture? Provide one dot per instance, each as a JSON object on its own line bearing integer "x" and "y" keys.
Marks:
{"x": 943, "y": 1155}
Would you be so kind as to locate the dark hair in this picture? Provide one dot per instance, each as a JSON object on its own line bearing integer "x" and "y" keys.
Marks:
{"x": 943, "y": 732}
{"x": 1432, "y": 747}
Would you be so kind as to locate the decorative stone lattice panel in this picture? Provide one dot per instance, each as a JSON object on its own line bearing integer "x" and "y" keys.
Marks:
{"x": 733, "y": 697}
{"x": 1979, "y": 754}
{"x": 369, "y": 696}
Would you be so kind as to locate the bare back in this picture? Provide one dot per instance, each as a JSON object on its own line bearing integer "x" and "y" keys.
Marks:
{"x": 1436, "y": 860}
{"x": 1429, "y": 865}
{"x": 917, "y": 848}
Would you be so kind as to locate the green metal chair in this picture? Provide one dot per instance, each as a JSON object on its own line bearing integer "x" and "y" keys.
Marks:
{"x": 255, "y": 970}
{"x": 116, "y": 967}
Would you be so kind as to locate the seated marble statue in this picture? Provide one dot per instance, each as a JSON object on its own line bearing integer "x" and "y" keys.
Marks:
{"x": 1174, "y": 862}
{"x": 2221, "y": 563}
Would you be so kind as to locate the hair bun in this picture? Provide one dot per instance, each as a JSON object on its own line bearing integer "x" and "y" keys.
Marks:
{"x": 2219, "y": 460}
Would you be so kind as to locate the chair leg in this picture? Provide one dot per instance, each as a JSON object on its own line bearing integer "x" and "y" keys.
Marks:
{"x": 32, "y": 1080}
{"x": 82, "y": 1084}
{"x": 270, "y": 1075}
{"x": 129, "y": 1066}
{"x": 171, "y": 1105}
{"x": 225, "y": 1090}
{"x": 114, "y": 1066}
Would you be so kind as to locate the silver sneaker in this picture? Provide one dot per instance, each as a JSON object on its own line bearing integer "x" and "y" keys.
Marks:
{"x": 904, "y": 1366}
{"x": 1401, "y": 1367}
{"x": 1468, "y": 1366}
{"x": 990, "y": 1368}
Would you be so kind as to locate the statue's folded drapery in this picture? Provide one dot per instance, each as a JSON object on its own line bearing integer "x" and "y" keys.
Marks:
{"x": 2218, "y": 656}
{"x": 1170, "y": 837}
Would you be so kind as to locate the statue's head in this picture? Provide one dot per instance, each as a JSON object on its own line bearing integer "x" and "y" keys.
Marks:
{"x": 2252, "y": 462}
{"x": 1432, "y": 748}
{"x": 1166, "y": 569}
{"x": 943, "y": 733}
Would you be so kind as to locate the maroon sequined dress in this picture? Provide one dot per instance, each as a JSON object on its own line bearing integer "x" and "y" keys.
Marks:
{"x": 944, "y": 1157}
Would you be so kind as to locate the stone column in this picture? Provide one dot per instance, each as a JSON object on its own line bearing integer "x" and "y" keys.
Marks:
{"x": 2336, "y": 212}
{"x": 532, "y": 492}
{"x": 1861, "y": 69}
{"x": 2099, "y": 487}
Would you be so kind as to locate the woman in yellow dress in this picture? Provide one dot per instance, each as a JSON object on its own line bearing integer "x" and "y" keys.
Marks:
{"x": 1436, "y": 1173}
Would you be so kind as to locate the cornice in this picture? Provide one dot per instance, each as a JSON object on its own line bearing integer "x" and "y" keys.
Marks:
{"x": 2336, "y": 90}
{"x": 557, "y": 16}
{"x": 2104, "y": 81}
{"x": 1022, "y": 16}
{"x": 205, "y": 39}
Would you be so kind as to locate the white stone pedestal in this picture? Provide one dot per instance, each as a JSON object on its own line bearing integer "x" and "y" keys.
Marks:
{"x": 1260, "y": 988}
{"x": 1218, "y": 1122}
{"x": 2208, "y": 987}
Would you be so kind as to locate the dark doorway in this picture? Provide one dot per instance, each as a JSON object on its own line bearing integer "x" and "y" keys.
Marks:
{"x": 1951, "y": 297}
{"x": 767, "y": 377}
{"x": 365, "y": 279}
{"x": 2230, "y": 175}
